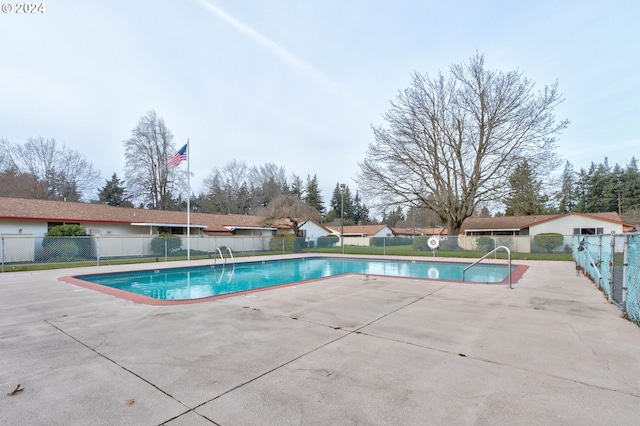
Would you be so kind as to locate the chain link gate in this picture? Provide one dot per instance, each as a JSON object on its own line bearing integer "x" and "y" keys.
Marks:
{"x": 618, "y": 270}
{"x": 613, "y": 264}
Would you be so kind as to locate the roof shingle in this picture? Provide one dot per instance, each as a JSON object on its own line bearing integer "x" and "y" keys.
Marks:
{"x": 61, "y": 211}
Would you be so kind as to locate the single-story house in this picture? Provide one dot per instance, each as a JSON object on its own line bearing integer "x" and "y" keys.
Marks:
{"x": 353, "y": 234}
{"x": 361, "y": 230}
{"x": 418, "y": 232}
{"x": 518, "y": 232}
{"x": 37, "y": 217}
{"x": 360, "y": 235}
{"x": 312, "y": 231}
{"x": 566, "y": 224}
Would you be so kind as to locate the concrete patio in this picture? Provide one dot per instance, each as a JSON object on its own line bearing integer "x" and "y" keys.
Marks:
{"x": 348, "y": 350}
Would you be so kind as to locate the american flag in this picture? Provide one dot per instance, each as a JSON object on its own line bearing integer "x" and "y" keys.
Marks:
{"x": 178, "y": 157}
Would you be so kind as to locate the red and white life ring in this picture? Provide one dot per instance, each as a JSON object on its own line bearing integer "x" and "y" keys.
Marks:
{"x": 433, "y": 242}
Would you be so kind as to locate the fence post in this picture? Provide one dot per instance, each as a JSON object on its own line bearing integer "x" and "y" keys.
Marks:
{"x": 97, "y": 250}
{"x": 599, "y": 261}
{"x": 625, "y": 265}
{"x": 612, "y": 261}
{"x": 3, "y": 253}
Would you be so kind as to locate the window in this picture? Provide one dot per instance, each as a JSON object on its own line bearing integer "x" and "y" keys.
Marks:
{"x": 588, "y": 231}
{"x": 171, "y": 230}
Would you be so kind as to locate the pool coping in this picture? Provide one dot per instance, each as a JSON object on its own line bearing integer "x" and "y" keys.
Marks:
{"x": 516, "y": 274}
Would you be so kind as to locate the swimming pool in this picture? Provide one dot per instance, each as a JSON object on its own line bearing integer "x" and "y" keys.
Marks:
{"x": 198, "y": 282}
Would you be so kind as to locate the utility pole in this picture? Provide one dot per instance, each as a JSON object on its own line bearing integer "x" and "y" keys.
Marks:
{"x": 342, "y": 187}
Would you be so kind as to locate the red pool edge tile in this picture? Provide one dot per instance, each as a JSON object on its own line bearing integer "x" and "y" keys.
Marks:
{"x": 516, "y": 274}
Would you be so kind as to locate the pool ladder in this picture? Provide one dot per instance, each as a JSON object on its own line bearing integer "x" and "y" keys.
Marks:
{"x": 230, "y": 275}
{"x": 489, "y": 254}
{"x": 224, "y": 259}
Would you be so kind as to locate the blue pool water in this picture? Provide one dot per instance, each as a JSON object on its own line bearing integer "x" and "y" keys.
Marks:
{"x": 206, "y": 281}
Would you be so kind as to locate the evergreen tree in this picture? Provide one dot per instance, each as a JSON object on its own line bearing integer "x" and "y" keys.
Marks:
{"x": 581, "y": 191}
{"x": 612, "y": 190}
{"x": 525, "y": 197}
{"x": 596, "y": 197}
{"x": 630, "y": 188}
{"x": 297, "y": 187}
{"x": 361, "y": 211}
{"x": 354, "y": 212}
{"x": 312, "y": 195}
{"x": 349, "y": 207}
{"x": 567, "y": 197}
{"x": 605, "y": 189}
{"x": 393, "y": 217}
{"x": 336, "y": 197}
{"x": 113, "y": 193}
{"x": 484, "y": 212}
{"x": 334, "y": 212}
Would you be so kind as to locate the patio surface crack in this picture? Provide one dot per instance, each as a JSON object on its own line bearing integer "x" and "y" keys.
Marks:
{"x": 94, "y": 350}
{"x": 348, "y": 333}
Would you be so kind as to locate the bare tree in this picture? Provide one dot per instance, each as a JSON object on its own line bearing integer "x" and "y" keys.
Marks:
{"x": 146, "y": 171}
{"x": 5, "y": 155}
{"x": 53, "y": 172}
{"x": 450, "y": 143}
{"x": 226, "y": 189}
{"x": 268, "y": 181}
{"x": 236, "y": 188}
{"x": 291, "y": 207}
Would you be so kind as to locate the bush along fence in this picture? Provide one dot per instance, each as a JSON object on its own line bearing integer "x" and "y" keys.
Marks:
{"x": 20, "y": 252}
{"x": 613, "y": 264}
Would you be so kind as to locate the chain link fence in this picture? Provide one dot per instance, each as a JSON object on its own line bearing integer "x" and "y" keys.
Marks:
{"x": 20, "y": 252}
{"x": 613, "y": 263}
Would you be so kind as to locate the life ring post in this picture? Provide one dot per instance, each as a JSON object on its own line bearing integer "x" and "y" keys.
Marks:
{"x": 433, "y": 242}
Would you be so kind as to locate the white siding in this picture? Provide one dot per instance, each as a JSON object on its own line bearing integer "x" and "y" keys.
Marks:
{"x": 565, "y": 225}
{"x": 313, "y": 231}
{"x": 18, "y": 248}
{"x": 36, "y": 228}
{"x": 384, "y": 232}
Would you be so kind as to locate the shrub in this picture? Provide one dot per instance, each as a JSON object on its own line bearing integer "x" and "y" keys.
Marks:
{"x": 158, "y": 243}
{"x": 60, "y": 249}
{"x": 62, "y": 244}
{"x": 485, "y": 243}
{"x": 328, "y": 241}
{"x": 275, "y": 244}
{"x": 390, "y": 241}
{"x": 421, "y": 244}
{"x": 548, "y": 241}
{"x": 67, "y": 231}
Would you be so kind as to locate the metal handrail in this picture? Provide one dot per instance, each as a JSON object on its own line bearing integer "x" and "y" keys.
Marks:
{"x": 487, "y": 255}
{"x": 221, "y": 257}
{"x": 230, "y": 254}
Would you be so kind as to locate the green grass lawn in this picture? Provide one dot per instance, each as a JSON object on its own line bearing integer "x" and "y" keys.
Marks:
{"x": 407, "y": 250}
{"x": 403, "y": 250}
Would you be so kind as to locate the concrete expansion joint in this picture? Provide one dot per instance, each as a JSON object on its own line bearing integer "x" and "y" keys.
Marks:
{"x": 101, "y": 355}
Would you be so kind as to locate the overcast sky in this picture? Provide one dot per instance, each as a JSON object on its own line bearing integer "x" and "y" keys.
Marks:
{"x": 299, "y": 83}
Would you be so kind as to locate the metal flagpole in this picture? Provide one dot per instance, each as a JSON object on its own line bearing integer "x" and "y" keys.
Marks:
{"x": 188, "y": 204}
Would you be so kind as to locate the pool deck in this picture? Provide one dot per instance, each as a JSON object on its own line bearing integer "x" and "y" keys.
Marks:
{"x": 347, "y": 350}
